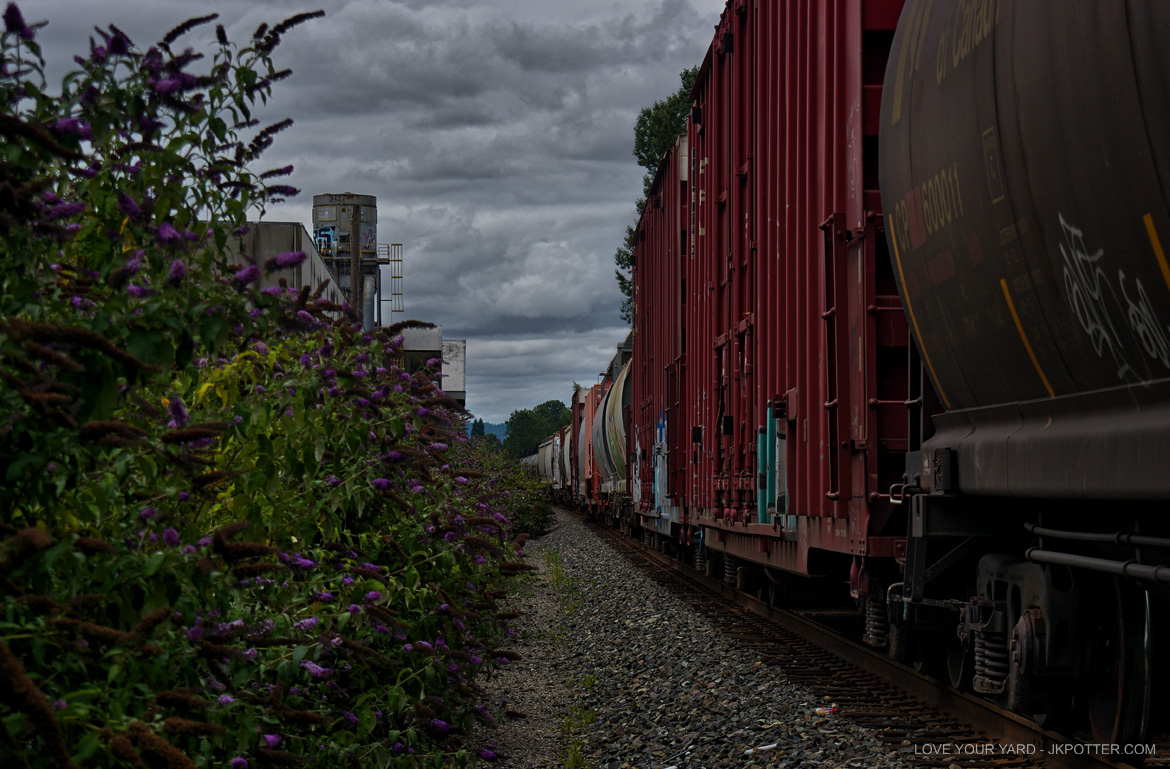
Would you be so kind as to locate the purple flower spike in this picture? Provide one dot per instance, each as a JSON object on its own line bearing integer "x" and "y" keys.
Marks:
{"x": 239, "y": 763}
{"x": 315, "y": 670}
{"x": 373, "y": 595}
{"x": 381, "y": 484}
{"x": 439, "y": 726}
{"x": 147, "y": 513}
{"x": 290, "y": 259}
{"x": 167, "y": 232}
{"x": 128, "y": 206}
{"x": 72, "y": 126}
{"x": 65, "y": 210}
{"x": 249, "y": 274}
{"x": 14, "y": 22}
{"x": 178, "y": 271}
{"x": 226, "y": 699}
{"x": 171, "y": 537}
{"x": 271, "y": 740}
{"x": 178, "y": 411}
{"x": 307, "y": 624}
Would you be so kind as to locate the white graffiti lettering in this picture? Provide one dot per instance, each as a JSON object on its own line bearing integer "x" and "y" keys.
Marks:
{"x": 1145, "y": 325}
{"x": 1089, "y": 293}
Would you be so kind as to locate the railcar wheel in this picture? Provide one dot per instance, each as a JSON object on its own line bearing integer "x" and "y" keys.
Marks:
{"x": 1121, "y": 661}
{"x": 908, "y": 646}
{"x": 960, "y": 663}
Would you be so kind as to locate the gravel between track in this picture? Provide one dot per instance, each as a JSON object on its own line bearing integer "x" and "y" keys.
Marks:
{"x": 618, "y": 674}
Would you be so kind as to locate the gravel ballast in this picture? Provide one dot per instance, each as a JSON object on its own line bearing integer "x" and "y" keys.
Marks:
{"x": 619, "y": 674}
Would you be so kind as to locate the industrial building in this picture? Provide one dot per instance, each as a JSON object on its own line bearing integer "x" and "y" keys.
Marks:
{"x": 330, "y": 255}
{"x": 422, "y": 344}
{"x": 264, "y": 240}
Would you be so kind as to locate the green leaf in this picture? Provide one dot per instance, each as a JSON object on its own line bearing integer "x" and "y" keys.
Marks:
{"x": 23, "y": 465}
{"x": 86, "y": 748}
{"x": 153, "y": 563}
{"x": 299, "y": 654}
{"x": 366, "y": 722}
{"x": 150, "y": 346}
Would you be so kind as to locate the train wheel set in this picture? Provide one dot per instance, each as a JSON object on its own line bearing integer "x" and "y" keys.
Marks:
{"x": 902, "y": 332}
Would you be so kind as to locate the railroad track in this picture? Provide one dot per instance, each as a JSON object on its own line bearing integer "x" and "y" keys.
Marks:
{"x": 946, "y": 728}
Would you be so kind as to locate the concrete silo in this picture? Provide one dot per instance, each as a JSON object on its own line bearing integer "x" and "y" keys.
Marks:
{"x": 345, "y": 228}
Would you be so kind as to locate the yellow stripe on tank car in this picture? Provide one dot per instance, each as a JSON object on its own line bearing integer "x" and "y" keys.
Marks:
{"x": 1024, "y": 337}
{"x": 914, "y": 321}
{"x": 1157, "y": 244}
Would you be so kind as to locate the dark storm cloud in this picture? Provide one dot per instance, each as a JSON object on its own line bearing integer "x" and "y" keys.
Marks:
{"x": 497, "y": 137}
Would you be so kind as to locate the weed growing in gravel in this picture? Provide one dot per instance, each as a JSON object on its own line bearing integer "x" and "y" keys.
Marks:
{"x": 574, "y": 759}
{"x": 568, "y": 600}
{"x": 576, "y": 723}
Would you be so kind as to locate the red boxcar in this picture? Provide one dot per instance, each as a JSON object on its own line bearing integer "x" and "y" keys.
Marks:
{"x": 772, "y": 351}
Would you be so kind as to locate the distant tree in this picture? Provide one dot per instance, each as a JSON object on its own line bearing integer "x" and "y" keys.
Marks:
{"x": 493, "y": 441}
{"x": 527, "y": 428}
{"x": 655, "y": 132}
{"x": 477, "y": 428}
{"x": 658, "y": 126}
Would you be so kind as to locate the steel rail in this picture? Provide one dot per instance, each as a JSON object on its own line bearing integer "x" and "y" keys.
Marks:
{"x": 1051, "y": 749}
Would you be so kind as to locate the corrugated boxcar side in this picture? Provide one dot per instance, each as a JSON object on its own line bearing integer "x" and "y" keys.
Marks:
{"x": 795, "y": 344}
{"x": 660, "y": 426}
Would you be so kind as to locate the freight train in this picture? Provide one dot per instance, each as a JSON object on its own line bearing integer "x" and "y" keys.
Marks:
{"x": 902, "y": 323}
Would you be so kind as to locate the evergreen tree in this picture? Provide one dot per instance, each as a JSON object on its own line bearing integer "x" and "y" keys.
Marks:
{"x": 477, "y": 428}
{"x": 655, "y": 132}
{"x": 528, "y": 428}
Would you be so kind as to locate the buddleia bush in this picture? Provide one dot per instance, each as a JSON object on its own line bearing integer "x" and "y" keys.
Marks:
{"x": 235, "y": 532}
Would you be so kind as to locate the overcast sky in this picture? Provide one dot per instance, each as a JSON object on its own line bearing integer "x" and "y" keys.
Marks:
{"x": 497, "y": 137}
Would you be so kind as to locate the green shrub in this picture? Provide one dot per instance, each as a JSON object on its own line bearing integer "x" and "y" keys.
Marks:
{"x": 234, "y": 529}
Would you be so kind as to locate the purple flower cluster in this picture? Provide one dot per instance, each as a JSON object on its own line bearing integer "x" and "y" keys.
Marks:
{"x": 315, "y": 670}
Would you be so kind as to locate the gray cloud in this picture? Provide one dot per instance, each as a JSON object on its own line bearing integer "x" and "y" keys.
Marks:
{"x": 497, "y": 137}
